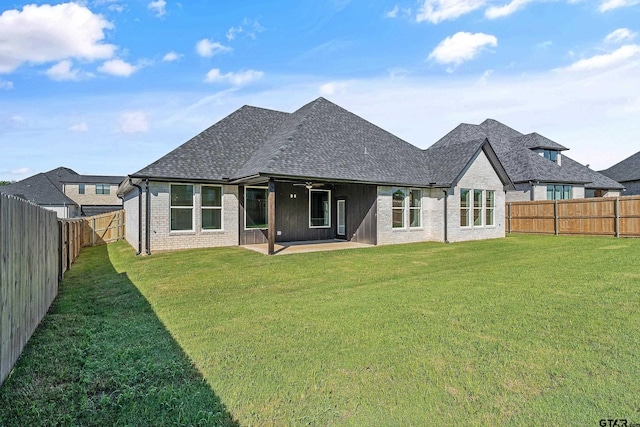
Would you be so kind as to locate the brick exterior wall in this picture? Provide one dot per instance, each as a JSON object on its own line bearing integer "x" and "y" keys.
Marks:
{"x": 386, "y": 234}
{"x": 162, "y": 238}
{"x": 90, "y": 197}
{"x": 131, "y": 218}
{"x": 478, "y": 176}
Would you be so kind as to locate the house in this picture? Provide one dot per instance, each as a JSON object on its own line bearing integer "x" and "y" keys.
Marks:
{"x": 321, "y": 172}
{"x": 627, "y": 173}
{"x": 95, "y": 194}
{"x": 68, "y": 194}
{"x": 536, "y": 165}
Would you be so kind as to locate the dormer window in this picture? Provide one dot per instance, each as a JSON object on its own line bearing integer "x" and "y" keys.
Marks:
{"x": 551, "y": 155}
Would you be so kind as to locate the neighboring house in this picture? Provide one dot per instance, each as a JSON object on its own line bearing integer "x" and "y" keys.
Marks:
{"x": 59, "y": 189}
{"x": 535, "y": 164}
{"x": 45, "y": 189}
{"x": 627, "y": 173}
{"x": 94, "y": 194}
{"x": 321, "y": 172}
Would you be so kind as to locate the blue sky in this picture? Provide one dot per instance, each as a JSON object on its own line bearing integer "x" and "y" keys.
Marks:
{"x": 108, "y": 86}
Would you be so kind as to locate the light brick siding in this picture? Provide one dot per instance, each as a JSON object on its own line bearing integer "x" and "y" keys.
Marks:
{"x": 132, "y": 218}
{"x": 479, "y": 175}
{"x": 90, "y": 197}
{"x": 387, "y": 234}
{"x": 163, "y": 239}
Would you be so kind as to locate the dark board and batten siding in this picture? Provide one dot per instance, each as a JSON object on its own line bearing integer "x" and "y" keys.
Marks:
{"x": 292, "y": 214}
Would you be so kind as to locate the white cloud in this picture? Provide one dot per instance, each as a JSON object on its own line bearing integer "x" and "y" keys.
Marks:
{"x": 233, "y": 31}
{"x": 6, "y": 85}
{"x": 46, "y": 33}
{"x": 236, "y": 79}
{"x": 252, "y": 27}
{"x": 608, "y": 5}
{"x": 21, "y": 171}
{"x": 171, "y": 56}
{"x": 333, "y": 88}
{"x": 494, "y": 12}
{"x": 118, "y": 67}
{"x": 116, "y": 8}
{"x": 619, "y": 35}
{"x": 436, "y": 11}
{"x": 208, "y": 48}
{"x": 158, "y": 7}
{"x": 461, "y": 47}
{"x": 393, "y": 13}
{"x": 134, "y": 122}
{"x": 80, "y": 127}
{"x": 608, "y": 60}
{"x": 63, "y": 71}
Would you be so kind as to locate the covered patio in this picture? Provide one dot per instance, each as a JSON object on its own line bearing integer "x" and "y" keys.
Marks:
{"x": 286, "y": 248}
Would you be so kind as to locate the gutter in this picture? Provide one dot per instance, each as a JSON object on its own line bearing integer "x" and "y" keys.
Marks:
{"x": 446, "y": 239}
{"x": 139, "y": 216}
{"x": 147, "y": 219}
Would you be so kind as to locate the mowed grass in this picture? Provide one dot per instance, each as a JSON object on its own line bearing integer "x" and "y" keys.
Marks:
{"x": 526, "y": 330}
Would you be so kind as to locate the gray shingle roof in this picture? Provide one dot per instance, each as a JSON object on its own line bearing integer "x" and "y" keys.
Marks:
{"x": 93, "y": 179}
{"x": 319, "y": 141}
{"x": 42, "y": 188}
{"x": 626, "y": 170}
{"x": 219, "y": 151}
{"x": 519, "y": 160}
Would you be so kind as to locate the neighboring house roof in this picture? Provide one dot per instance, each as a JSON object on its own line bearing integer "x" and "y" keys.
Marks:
{"x": 515, "y": 152}
{"x": 626, "y": 170}
{"x": 93, "y": 179}
{"x": 47, "y": 188}
{"x": 319, "y": 141}
{"x": 42, "y": 188}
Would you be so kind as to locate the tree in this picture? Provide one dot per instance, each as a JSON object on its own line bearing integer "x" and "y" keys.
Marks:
{"x": 3, "y": 183}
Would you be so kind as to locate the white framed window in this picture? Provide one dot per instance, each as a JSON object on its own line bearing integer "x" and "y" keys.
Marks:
{"x": 319, "y": 208}
{"x": 490, "y": 207}
{"x": 415, "y": 208}
{"x": 181, "y": 207}
{"x": 398, "y": 196}
{"x": 255, "y": 208}
{"x": 103, "y": 189}
{"x": 211, "y": 207}
{"x": 465, "y": 207}
{"x": 477, "y": 208}
{"x": 558, "y": 192}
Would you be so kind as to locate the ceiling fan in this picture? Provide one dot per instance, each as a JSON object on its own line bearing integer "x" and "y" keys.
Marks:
{"x": 309, "y": 185}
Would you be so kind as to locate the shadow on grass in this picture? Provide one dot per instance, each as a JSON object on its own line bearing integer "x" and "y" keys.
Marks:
{"x": 102, "y": 357}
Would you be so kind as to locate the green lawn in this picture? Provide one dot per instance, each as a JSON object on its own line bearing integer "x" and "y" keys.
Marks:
{"x": 527, "y": 330}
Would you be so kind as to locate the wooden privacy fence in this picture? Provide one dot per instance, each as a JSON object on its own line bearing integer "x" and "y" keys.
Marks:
{"x": 36, "y": 249}
{"x": 101, "y": 229}
{"x": 89, "y": 231}
{"x": 29, "y": 242}
{"x": 612, "y": 216}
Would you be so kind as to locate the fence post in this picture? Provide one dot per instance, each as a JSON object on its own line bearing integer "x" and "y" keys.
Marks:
{"x": 509, "y": 216}
{"x": 93, "y": 231}
{"x": 616, "y": 210}
{"x": 556, "y": 225}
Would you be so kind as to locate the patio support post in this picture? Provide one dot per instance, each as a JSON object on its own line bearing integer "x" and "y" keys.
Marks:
{"x": 271, "y": 212}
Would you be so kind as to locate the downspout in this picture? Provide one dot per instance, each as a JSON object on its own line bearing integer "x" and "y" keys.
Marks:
{"x": 446, "y": 239}
{"x": 147, "y": 219}
{"x": 139, "y": 216}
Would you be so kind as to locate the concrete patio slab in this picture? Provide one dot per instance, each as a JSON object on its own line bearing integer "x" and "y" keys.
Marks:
{"x": 285, "y": 248}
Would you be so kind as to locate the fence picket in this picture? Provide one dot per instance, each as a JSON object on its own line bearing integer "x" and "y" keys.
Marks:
{"x": 611, "y": 216}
